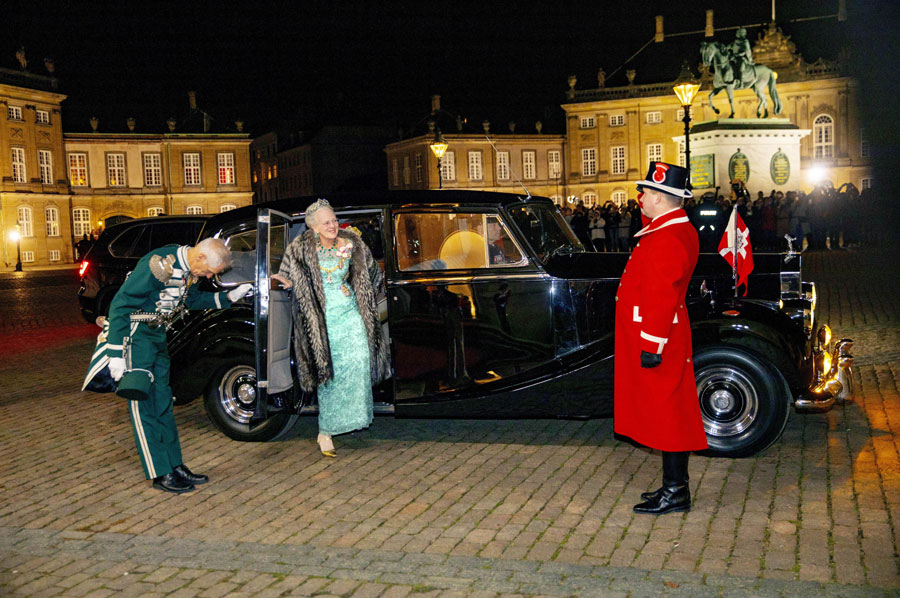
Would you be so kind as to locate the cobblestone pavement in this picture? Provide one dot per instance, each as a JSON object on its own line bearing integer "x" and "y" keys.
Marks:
{"x": 444, "y": 508}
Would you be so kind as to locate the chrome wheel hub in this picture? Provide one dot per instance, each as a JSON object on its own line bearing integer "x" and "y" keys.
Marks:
{"x": 729, "y": 402}
{"x": 237, "y": 393}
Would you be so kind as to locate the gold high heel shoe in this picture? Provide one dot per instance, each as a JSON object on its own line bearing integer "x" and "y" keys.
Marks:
{"x": 326, "y": 446}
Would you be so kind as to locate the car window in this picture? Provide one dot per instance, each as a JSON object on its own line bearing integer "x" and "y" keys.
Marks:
{"x": 122, "y": 245}
{"x": 445, "y": 241}
{"x": 171, "y": 233}
{"x": 243, "y": 258}
{"x": 546, "y": 230}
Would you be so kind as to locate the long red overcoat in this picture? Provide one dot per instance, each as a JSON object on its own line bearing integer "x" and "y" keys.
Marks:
{"x": 658, "y": 407}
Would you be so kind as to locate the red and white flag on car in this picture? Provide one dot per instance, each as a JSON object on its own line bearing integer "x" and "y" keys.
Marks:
{"x": 736, "y": 241}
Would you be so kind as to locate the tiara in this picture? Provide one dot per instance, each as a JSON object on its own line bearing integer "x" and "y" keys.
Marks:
{"x": 318, "y": 205}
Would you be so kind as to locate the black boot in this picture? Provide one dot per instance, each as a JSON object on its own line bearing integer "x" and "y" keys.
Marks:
{"x": 171, "y": 482}
{"x": 674, "y": 495}
{"x": 645, "y": 496}
{"x": 189, "y": 476}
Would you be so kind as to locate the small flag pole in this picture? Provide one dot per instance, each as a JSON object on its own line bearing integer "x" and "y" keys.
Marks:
{"x": 734, "y": 249}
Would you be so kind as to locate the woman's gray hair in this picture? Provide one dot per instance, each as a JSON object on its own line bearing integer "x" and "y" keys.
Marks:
{"x": 313, "y": 208}
{"x": 216, "y": 252}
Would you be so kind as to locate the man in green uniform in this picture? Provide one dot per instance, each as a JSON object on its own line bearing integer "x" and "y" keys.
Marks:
{"x": 162, "y": 282}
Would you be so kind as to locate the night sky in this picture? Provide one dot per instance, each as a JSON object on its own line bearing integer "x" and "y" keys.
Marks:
{"x": 347, "y": 61}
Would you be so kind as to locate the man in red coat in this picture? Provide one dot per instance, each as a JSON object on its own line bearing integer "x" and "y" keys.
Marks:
{"x": 656, "y": 402}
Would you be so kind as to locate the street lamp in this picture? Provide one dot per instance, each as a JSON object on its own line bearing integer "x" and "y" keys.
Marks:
{"x": 686, "y": 87}
{"x": 15, "y": 236}
{"x": 438, "y": 147}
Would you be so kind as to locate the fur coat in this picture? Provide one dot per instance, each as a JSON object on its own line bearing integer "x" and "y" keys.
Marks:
{"x": 313, "y": 354}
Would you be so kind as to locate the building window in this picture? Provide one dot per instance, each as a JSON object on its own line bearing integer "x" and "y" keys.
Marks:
{"x": 115, "y": 169}
{"x": 589, "y": 199}
{"x": 503, "y": 166}
{"x": 654, "y": 117}
{"x": 192, "y": 169}
{"x": 618, "y": 197}
{"x": 529, "y": 165}
{"x": 588, "y": 122}
{"x": 679, "y": 114}
{"x": 42, "y": 117}
{"x": 616, "y": 120}
{"x": 225, "y": 163}
{"x": 27, "y": 256}
{"x": 395, "y": 173}
{"x": 51, "y": 215}
{"x": 24, "y": 221}
{"x": 864, "y": 148}
{"x": 557, "y": 199}
{"x": 155, "y": 211}
{"x": 589, "y": 161}
{"x": 45, "y": 161}
{"x": 152, "y": 170}
{"x": 654, "y": 152}
{"x": 617, "y": 159}
{"x": 54, "y": 255}
{"x": 865, "y": 183}
{"x": 448, "y": 166}
{"x": 681, "y": 153}
{"x": 823, "y": 136}
{"x": 226, "y": 206}
{"x": 81, "y": 221}
{"x": 78, "y": 170}
{"x": 406, "y": 175}
{"x": 18, "y": 165}
{"x": 420, "y": 172}
{"x": 554, "y": 164}
{"x": 193, "y": 210}
{"x": 14, "y": 113}
{"x": 475, "y": 173}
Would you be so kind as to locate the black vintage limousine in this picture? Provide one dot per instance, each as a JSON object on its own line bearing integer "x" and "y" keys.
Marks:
{"x": 493, "y": 309}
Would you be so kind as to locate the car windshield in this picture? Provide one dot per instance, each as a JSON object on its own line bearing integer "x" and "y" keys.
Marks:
{"x": 546, "y": 230}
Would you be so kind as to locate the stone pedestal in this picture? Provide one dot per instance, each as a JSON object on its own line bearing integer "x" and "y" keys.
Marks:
{"x": 764, "y": 153}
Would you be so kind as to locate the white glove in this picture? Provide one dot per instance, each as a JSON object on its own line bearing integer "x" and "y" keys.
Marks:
{"x": 116, "y": 367}
{"x": 239, "y": 292}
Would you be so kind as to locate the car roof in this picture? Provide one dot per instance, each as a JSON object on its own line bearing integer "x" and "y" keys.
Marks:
{"x": 374, "y": 198}
{"x": 119, "y": 226}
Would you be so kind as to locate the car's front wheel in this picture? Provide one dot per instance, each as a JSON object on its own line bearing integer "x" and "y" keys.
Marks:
{"x": 744, "y": 401}
{"x": 230, "y": 399}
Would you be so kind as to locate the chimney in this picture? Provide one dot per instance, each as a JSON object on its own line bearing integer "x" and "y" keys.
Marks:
{"x": 709, "y": 30}
{"x": 95, "y": 122}
{"x": 658, "y": 37}
{"x": 435, "y": 103}
{"x": 206, "y": 122}
{"x": 130, "y": 122}
{"x": 192, "y": 100}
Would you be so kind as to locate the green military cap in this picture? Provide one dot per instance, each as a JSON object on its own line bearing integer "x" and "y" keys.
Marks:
{"x": 135, "y": 385}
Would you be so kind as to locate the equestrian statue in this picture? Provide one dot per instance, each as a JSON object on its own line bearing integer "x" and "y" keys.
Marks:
{"x": 733, "y": 68}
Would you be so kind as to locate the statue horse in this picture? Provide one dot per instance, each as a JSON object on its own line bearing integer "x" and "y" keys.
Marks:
{"x": 713, "y": 54}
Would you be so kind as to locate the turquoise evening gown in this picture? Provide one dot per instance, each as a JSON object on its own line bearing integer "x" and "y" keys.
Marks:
{"x": 345, "y": 401}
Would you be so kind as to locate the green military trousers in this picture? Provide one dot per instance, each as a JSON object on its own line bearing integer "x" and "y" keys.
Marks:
{"x": 152, "y": 420}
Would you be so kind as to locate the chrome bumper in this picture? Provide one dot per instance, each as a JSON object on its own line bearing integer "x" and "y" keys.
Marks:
{"x": 833, "y": 375}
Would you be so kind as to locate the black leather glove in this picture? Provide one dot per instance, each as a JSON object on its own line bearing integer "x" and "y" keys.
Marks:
{"x": 650, "y": 360}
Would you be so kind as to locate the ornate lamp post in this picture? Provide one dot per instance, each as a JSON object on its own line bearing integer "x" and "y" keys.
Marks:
{"x": 438, "y": 147}
{"x": 686, "y": 87}
{"x": 15, "y": 236}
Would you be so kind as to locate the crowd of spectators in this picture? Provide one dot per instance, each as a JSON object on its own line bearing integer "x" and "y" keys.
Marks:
{"x": 823, "y": 219}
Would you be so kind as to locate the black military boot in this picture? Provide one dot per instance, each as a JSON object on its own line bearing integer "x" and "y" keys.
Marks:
{"x": 189, "y": 476}
{"x": 674, "y": 495}
{"x": 645, "y": 496}
{"x": 172, "y": 482}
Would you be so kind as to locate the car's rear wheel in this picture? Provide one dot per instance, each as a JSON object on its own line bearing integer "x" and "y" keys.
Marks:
{"x": 230, "y": 399}
{"x": 744, "y": 401}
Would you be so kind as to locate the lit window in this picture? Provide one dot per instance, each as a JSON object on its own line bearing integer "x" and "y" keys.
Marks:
{"x": 14, "y": 112}
{"x": 51, "y": 216}
{"x": 588, "y": 122}
{"x": 155, "y": 211}
{"x": 193, "y": 210}
{"x": 823, "y": 136}
{"x": 225, "y": 163}
{"x": 406, "y": 170}
{"x": 616, "y": 120}
{"x": 654, "y": 117}
{"x": 617, "y": 159}
{"x": 618, "y": 197}
{"x": 589, "y": 199}
{"x": 529, "y": 165}
{"x": 18, "y": 165}
{"x": 115, "y": 169}
{"x": 81, "y": 221}
{"x": 395, "y": 172}
{"x": 42, "y": 117}
{"x": 45, "y": 161}
{"x": 78, "y": 170}
{"x": 654, "y": 152}
{"x": 865, "y": 183}
{"x": 589, "y": 161}
{"x": 27, "y": 256}
{"x": 226, "y": 206}
{"x": 681, "y": 153}
{"x": 503, "y": 166}
{"x": 554, "y": 164}
{"x": 24, "y": 222}
{"x": 679, "y": 114}
{"x": 192, "y": 168}
{"x": 448, "y": 166}
{"x": 864, "y": 147}
{"x": 54, "y": 255}
{"x": 419, "y": 168}
{"x": 475, "y": 166}
{"x": 152, "y": 170}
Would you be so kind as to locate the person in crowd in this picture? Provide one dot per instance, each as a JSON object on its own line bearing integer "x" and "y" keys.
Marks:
{"x": 636, "y": 222}
{"x": 339, "y": 348}
{"x": 162, "y": 282}
{"x": 655, "y": 395}
{"x": 624, "y": 227}
{"x": 598, "y": 230}
{"x": 581, "y": 225}
{"x": 612, "y": 227}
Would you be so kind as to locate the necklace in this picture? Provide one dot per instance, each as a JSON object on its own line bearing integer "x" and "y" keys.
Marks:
{"x": 329, "y": 271}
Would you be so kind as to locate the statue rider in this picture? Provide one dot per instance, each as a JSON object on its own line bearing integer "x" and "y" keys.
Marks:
{"x": 741, "y": 58}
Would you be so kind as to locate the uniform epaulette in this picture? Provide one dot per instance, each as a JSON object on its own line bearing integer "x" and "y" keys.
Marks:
{"x": 162, "y": 267}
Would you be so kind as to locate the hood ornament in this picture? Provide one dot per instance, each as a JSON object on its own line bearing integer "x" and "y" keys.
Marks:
{"x": 790, "y": 250}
